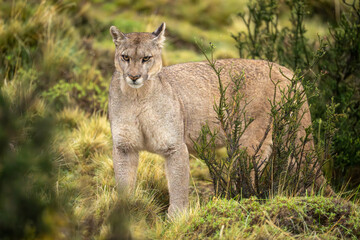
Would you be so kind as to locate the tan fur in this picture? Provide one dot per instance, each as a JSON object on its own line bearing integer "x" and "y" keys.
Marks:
{"x": 168, "y": 110}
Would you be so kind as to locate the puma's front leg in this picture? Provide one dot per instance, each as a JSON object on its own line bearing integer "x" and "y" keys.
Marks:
{"x": 125, "y": 161}
{"x": 177, "y": 171}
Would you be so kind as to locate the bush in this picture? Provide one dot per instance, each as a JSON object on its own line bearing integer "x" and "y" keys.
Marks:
{"x": 27, "y": 201}
{"x": 336, "y": 74}
{"x": 293, "y": 166}
{"x": 65, "y": 67}
{"x": 341, "y": 66}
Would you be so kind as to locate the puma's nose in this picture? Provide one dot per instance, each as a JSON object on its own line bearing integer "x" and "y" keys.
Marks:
{"x": 134, "y": 78}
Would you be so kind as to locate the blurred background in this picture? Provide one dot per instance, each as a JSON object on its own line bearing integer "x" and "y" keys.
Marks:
{"x": 56, "y": 62}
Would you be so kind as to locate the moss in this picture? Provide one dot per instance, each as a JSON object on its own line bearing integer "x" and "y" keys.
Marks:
{"x": 300, "y": 216}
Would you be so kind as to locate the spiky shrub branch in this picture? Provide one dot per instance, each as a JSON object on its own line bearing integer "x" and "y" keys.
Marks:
{"x": 231, "y": 114}
{"x": 264, "y": 39}
{"x": 261, "y": 29}
{"x": 294, "y": 165}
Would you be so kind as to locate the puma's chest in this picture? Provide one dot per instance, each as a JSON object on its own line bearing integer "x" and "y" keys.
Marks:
{"x": 160, "y": 124}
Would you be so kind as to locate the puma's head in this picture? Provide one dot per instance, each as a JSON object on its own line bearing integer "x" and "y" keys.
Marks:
{"x": 138, "y": 55}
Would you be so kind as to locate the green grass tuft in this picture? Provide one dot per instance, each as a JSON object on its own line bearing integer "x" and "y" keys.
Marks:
{"x": 299, "y": 217}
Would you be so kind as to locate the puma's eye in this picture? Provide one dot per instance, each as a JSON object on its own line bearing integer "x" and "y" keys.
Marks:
{"x": 145, "y": 59}
{"x": 125, "y": 58}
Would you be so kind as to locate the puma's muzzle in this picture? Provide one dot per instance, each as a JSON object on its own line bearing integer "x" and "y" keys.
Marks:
{"x": 138, "y": 55}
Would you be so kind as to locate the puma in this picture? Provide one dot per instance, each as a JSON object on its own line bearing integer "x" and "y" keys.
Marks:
{"x": 161, "y": 109}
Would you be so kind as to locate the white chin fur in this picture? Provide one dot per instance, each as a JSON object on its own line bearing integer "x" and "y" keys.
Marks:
{"x": 138, "y": 84}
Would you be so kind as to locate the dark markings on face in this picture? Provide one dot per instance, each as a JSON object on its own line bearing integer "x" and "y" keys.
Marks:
{"x": 137, "y": 40}
{"x": 136, "y": 47}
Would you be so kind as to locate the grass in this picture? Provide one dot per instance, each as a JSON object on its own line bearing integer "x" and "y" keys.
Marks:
{"x": 86, "y": 178}
{"x": 56, "y": 60}
{"x": 280, "y": 217}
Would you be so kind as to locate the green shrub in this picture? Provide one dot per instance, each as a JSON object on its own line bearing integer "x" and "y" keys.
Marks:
{"x": 340, "y": 81}
{"x": 27, "y": 200}
{"x": 336, "y": 74}
{"x": 88, "y": 95}
{"x": 293, "y": 166}
{"x": 42, "y": 37}
{"x": 20, "y": 35}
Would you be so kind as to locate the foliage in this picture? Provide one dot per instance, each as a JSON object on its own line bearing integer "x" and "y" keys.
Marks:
{"x": 278, "y": 218}
{"x": 27, "y": 202}
{"x": 20, "y": 31}
{"x": 264, "y": 39}
{"x": 340, "y": 82}
{"x": 335, "y": 74}
{"x": 91, "y": 96}
{"x": 230, "y": 175}
{"x": 30, "y": 40}
{"x": 240, "y": 174}
{"x": 187, "y": 9}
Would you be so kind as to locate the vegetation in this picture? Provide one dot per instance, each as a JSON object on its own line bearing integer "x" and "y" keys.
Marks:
{"x": 26, "y": 177}
{"x": 279, "y": 218}
{"x": 335, "y": 74}
{"x": 56, "y": 176}
{"x": 240, "y": 174}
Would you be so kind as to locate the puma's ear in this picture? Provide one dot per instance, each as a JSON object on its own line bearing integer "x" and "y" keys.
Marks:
{"x": 160, "y": 35}
{"x": 116, "y": 35}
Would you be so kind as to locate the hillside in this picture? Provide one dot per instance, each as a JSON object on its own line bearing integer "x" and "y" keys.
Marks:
{"x": 56, "y": 173}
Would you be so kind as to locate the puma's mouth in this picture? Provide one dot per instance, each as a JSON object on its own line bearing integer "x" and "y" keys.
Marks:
{"x": 135, "y": 84}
